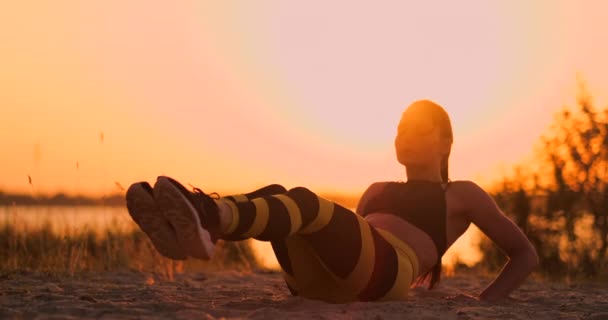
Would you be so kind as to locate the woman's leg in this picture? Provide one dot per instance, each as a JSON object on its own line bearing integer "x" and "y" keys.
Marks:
{"x": 324, "y": 241}
{"x": 359, "y": 258}
{"x": 279, "y": 246}
{"x": 266, "y": 191}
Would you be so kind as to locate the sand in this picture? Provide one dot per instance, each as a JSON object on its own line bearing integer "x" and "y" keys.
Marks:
{"x": 262, "y": 295}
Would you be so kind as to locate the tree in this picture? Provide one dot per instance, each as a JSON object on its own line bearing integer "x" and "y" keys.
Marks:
{"x": 565, "y": 211}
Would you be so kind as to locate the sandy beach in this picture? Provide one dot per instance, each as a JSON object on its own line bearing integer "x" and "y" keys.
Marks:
{"x": 262, "y": 295}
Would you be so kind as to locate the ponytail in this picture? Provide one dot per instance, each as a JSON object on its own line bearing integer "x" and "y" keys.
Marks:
{"x": 444, "y": 169}
{"x": 434, "y": 275}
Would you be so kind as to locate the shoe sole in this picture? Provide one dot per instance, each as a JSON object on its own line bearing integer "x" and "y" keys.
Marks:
{"x": 144, "y": 211}
{"x": 177, "y": 208}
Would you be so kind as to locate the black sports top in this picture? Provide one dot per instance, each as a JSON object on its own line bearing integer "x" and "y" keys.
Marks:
{"x": 422, "y": 203}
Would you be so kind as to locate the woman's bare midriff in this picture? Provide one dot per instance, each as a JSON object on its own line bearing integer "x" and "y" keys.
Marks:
{"x": 418, "y": 240}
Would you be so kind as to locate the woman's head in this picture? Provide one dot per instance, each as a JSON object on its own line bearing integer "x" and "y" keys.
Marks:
{"x": 424, "y": 136}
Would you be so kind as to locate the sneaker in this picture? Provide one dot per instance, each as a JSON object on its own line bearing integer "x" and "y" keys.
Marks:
{"x": 194, "y": 215}
{"x": 143, "y": 209}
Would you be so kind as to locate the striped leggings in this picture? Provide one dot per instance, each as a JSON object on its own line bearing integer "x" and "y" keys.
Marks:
{"x": 326, "y": 251}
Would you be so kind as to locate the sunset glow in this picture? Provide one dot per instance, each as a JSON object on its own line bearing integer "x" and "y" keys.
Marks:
{"x": 231, "y": 97}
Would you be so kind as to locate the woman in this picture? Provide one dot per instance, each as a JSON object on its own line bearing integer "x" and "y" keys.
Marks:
{"x": 396, "y": 238}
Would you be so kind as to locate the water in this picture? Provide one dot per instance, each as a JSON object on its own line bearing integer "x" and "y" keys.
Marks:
{"x": 68, "y": 220}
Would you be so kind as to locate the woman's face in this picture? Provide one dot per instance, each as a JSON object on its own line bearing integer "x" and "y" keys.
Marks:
{"x": 419, "y": 140}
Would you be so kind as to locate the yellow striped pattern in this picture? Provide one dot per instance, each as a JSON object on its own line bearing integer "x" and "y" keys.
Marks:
{"x": 401, "y": 247}
{"x": 326, "y": 209}
{"x": 311, "y": 277}
{"x": 235, "y": 216}
{"x": 240, "y": 197}
{"x": 361, "y": 274}
{"x": 261, "y": 218}
{"x": 294, "y": 212}
{"x": 407, "y": 270}
{"x": 313, "y": 280}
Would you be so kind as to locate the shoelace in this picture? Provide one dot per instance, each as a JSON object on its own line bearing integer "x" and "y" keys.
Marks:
{"x": 207, "y": 203}
{"x": 212, "y": 195}
{"x": 205, "y": 199}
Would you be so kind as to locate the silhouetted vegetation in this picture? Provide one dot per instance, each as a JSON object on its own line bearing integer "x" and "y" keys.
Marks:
{"x": 561, "y": 202}
{"x": 61, "y": 199}
{"x": 89, "y": 251}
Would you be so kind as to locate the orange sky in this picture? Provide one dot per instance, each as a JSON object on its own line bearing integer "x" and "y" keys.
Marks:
{"x": 231, "y": 97}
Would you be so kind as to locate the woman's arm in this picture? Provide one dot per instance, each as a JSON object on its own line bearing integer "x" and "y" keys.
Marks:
{"x": 485, "y": 214}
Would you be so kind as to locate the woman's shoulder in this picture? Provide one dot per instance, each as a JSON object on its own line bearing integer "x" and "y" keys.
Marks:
{"x": 466, "y": 192}
{"x": 379, "y": 185}
{"x": 461, "y": 187}
{"x": 466, "y": 186}
{"x": 469, "y": 197}
{"x": 374, "y": 190}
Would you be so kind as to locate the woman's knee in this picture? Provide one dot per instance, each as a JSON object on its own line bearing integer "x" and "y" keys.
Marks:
{"x": 301, "y": 193}
{"x": 268, "y": 190}
{"x": 275, "y": 188}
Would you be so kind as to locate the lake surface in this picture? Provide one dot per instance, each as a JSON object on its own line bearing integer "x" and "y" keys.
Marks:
{"x": 67, "y": 220}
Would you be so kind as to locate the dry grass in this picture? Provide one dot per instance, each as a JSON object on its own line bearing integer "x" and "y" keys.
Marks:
{"x": 84, "y": 251}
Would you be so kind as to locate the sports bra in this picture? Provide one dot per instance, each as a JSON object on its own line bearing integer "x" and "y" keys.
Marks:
{"x": 419, "y": 202}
